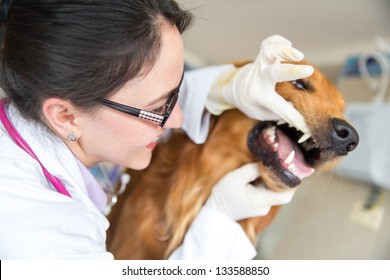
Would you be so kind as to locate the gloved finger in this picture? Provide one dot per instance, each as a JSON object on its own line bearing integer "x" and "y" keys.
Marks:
{"x": 250, "y": 213}
{"x": 247, "y": 173}
{"x": 260, "y": 211}
{"x": 286, "y": 111}
{"x": 276, "y": 39}
{"x": 290, "y": 72}
{"x": 281, "y": 53}
{"x": 278, "y": 198}
{"x": 266, "y": 197}
{"x": 278, "y": 47}
{"x": 290, "y": 54}
{"x": 263, "y": 114}
{"x": 274, "y": 107}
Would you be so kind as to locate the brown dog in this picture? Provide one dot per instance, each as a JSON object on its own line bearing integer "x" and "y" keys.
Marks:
{"x": 152, "y": 216}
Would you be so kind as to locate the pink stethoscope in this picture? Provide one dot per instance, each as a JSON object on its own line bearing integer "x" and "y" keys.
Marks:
{"x": 24, "y": 146}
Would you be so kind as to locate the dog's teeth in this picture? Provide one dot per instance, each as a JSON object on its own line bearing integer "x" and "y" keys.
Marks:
{"x": 304, "y": 138}
{"x": 280, "y": 122}
{"x": 271, "y": 133}
{"x": 309, "y": 147}
{"x": 275, "y": 146}
{"x": 290, "y": 157}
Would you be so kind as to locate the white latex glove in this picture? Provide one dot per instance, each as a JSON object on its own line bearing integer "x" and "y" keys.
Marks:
{"x": 251, "y": 88}
{"x": 235, "y": 197}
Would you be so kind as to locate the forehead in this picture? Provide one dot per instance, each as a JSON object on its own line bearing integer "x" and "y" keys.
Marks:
{"x": 163, "y": 76}
{"x": 170, "y": 61}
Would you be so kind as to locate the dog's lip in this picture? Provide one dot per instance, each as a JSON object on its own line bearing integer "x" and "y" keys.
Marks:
{"x": 277, "y": 151}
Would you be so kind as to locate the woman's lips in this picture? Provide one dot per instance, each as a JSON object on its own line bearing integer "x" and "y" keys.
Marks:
{"x": 153, "y": 144}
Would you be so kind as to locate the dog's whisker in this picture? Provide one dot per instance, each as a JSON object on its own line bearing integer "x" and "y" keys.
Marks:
{"x": 305, "y": 91}
{"x": 327, "y": 184}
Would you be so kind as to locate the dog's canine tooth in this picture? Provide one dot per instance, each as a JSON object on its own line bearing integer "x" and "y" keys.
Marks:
{"x": 304, "y": 138}
{"x": 290, "y": 157}
{"x": 275, "y": 146}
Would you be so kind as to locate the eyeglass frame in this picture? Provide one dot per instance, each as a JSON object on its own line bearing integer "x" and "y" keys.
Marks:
{"x": 144, "y": 114}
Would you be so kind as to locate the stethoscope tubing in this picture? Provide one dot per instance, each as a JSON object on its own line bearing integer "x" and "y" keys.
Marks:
{"x": 18, "y": 139}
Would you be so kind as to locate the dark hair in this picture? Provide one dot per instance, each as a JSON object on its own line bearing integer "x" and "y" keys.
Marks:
{"x": 79, "y": 50}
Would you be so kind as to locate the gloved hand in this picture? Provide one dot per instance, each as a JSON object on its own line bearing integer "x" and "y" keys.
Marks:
{"x": 235, "y": 197}
{"x": 251, "y": 88}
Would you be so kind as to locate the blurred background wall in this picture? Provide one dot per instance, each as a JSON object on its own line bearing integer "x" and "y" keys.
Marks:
{"x": 326, "y": 31}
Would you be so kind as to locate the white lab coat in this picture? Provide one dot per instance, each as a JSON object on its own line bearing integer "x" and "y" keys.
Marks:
{"x": 37, "y": 222}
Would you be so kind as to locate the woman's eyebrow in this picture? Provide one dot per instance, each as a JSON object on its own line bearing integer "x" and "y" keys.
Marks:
{"x": 166, "y": 95}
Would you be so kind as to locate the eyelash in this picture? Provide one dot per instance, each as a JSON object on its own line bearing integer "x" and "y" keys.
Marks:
{"x": 160, "y": 110}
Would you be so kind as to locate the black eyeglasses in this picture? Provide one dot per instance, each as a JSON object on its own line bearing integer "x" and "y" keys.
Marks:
{"x": 159, "y": 119}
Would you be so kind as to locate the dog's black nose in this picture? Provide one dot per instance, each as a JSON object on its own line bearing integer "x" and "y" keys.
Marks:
{"x": 344, "y": 137}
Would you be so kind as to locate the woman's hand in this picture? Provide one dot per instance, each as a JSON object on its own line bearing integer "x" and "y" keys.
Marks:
{"x": 235, "y": 197}
{"x": 251, "y": 88}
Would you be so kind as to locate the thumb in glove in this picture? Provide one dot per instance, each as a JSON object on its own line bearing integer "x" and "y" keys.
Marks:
{"x": 236, "y": 198}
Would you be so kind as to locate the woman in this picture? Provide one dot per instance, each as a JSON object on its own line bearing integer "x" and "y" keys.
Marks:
{"x": 74, "y": 74}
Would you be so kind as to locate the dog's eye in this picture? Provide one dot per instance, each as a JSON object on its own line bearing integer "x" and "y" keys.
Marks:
{"x": 301, "y": 85}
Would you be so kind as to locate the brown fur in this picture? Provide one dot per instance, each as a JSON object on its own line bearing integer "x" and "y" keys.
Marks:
{"x": 153, "y": 215}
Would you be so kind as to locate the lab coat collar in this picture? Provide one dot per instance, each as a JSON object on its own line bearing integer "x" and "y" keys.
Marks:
{"x": 54, "y": 154}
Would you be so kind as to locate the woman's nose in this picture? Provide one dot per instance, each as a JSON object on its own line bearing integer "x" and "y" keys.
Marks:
{"x": 175, "y": 120}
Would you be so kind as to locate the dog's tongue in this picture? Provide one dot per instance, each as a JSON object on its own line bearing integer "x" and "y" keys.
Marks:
{"x": 298, "y": 166}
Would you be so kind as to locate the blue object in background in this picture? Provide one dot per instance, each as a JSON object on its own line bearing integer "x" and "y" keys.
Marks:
{"x": 351, "y": 67}
{"x": 107, "y": 175}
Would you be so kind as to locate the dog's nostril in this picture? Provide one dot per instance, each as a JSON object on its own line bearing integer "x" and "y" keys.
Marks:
{"x": 351, "y": 147}
{"x": 343, "y": 133}
{"x": 344, "y": 137}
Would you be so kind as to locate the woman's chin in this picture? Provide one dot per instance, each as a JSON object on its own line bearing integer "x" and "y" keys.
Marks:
{"x": 140, "y": 164}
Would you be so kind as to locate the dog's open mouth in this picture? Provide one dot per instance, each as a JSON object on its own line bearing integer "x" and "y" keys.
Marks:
{"x": 285, "y": 150}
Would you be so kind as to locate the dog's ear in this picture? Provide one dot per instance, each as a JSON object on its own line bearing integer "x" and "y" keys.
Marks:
{"x": 241, "y": 63}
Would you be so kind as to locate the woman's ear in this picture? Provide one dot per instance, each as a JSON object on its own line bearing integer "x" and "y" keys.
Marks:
{"x": 63, "y": 117}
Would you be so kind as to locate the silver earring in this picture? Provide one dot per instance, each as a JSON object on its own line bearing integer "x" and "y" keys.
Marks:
{"x": 71, "y": 138}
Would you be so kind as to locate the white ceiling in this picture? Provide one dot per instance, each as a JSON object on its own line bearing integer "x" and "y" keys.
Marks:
{"x": 327, "y": 31}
